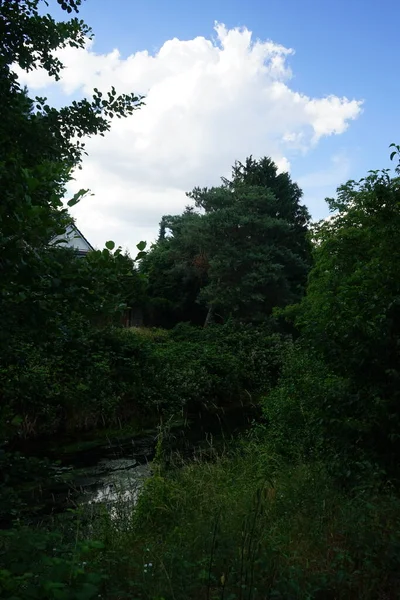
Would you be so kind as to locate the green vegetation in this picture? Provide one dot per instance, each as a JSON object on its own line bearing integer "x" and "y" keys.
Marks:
{"x": 245, "y": 254}
{"x": 245, "y": 303}
{"x": 246, "y": 525}
{"x": 100, "y": 378}
{"x": 258, "y": 529}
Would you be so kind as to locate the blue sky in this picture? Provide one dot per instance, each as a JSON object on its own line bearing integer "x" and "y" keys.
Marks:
{"x": 346, "y": 49}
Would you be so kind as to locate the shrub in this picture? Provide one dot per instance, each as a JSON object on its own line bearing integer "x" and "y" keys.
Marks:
{"x": 40, "y": 565}
{"x": 257, "y": 349}
{"x": 86, "y": 378}
{"x": 213, "y": 367}
{"x": 303, "y": 411}
{"x": 315, "y": 414}
{"x": 82, "y": 379}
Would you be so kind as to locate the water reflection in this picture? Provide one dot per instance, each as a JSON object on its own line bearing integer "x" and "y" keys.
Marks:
{"x": 115, "y": 483}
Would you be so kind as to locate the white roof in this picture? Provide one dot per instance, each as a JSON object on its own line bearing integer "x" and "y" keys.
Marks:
{"x": 73, "y": 238}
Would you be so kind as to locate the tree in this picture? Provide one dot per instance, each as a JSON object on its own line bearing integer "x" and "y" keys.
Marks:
{"x": 255, "y": 236}
{"x": 243, "y": 253}
{"x": 351, "y": 314}
{"x": 176, "y": 270}
{"x": 39, "y": 146}
{"x": 89, "y": 291}
{"x": 45, "y": 292}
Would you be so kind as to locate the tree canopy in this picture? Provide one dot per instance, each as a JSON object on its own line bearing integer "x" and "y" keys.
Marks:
{"x": 244, "y": 250}
{"x": 40, "y": 146}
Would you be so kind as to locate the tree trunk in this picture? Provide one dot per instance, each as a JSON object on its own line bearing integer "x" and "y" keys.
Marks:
{"x": 210, "y": 316}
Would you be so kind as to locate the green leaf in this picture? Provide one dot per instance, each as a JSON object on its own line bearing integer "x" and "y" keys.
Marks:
{"x": 77, "y": 197}
{"x": 141, "y": 245}
{"x": 110, "y": 245}
{"x": 96, "y": 544}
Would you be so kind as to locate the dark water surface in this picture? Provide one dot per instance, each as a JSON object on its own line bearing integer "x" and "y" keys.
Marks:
{"x": 114, "y": 469}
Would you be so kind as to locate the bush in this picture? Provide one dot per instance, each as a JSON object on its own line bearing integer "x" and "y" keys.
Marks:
{"x": 213, "y": 367}
{"x": 314, "y": 414}
{"x": 87, "y": 378}
{"x": 40, "y": 565}
{"x": 303, "y": 411}
{"x": 258, "y": 350}
{"x": 22, "y": 480}
{"x": 248, "y": 527}
{"x": 83, "y": 379}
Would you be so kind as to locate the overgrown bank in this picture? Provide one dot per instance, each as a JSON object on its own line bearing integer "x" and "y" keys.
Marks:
{"x": 246, "y": 525}
{"x": 102, "y": 378}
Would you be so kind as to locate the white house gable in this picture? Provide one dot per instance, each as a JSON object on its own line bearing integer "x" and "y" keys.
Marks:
{"x": 73, "y": 238}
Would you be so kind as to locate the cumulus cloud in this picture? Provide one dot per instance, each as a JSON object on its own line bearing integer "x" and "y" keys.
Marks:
{"x": 208, "y": 103}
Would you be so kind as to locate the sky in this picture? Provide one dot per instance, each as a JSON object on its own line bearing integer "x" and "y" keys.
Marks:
{"x": 313, "y": 84}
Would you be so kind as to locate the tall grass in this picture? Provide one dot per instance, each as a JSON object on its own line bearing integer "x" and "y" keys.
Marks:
{"x": 242, "y": 526}
{"x": 245, "y": 527}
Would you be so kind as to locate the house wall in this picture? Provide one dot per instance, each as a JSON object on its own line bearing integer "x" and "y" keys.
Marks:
{"x": 73, "y": 240}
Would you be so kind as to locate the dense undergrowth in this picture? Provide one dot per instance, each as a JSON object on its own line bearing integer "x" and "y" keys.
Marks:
{"x": 250, "y": 526}
{"x": 244, "y": 525}
{"x": 100, "y": 378}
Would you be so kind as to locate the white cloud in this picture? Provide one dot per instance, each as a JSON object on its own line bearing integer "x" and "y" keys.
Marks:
{"x": 208, "y": 103}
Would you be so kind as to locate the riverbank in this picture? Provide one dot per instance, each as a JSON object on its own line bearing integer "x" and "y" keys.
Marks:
{"x": 135, "y": 377}
{"x": 243, "y": 526}
{"x": 71, "y": 472}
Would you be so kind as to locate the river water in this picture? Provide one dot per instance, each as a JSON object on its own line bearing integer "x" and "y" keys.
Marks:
{"x": 113, "y": 472}
{"x": 118, "y": 487}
